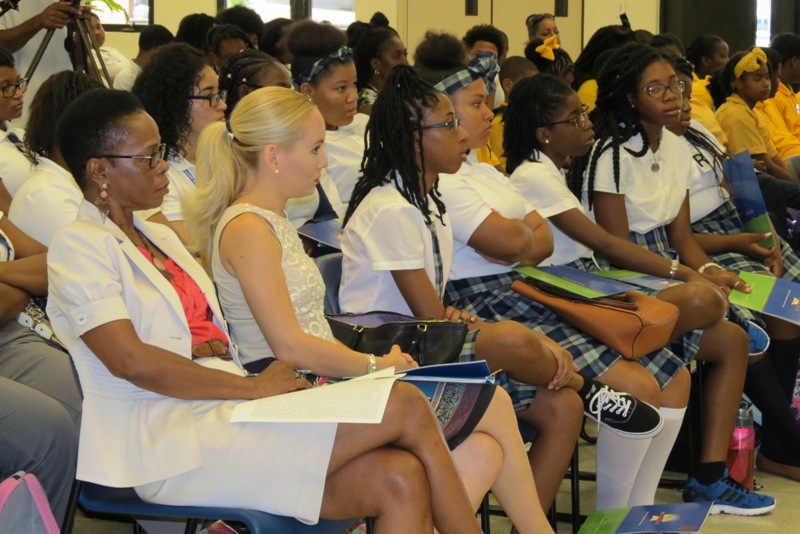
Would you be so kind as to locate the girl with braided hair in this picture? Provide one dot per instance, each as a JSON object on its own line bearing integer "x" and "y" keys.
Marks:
{"x": 247, "y": 71}
{"x": 495, "y": 228}
{"x": 718, "y": 229}
{"x": 399, "y": 253}
{"x": 546, "y": 125}
{"x": 635, "y": 184}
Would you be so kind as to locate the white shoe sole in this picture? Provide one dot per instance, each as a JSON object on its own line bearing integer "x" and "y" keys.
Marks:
{"x": 733, "y": 510}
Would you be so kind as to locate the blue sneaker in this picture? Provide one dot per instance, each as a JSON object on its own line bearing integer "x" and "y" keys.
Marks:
{"x": 729, "y": 497}
{"x": 759, "y": 340}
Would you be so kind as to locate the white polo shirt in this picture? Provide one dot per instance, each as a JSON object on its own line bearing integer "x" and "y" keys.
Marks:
{"x": 15, "y": 167}
{"x": 345, "y": 149}
{"x": 705, "y": 194}
{"x": 652, "y": 198}
{"x": 545, "y": 187}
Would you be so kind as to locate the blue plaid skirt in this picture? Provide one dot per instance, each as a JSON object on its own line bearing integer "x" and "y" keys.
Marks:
{"x": 725, "y": 220}
{"x": 656, "y": 241}
{"x": 491, "y": 298}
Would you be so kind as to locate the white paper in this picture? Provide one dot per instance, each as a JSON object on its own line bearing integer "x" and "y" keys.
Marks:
{"x": 361, "y": 400}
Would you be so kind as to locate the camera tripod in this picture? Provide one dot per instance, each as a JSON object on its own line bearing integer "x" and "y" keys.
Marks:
{"x": 83, "y": 52}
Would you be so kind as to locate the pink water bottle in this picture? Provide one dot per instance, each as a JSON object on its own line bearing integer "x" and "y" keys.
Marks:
{"x": 741, "y": 451}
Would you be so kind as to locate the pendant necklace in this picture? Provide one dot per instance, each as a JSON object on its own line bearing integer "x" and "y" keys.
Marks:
{"x": 655, "y": 166}
{"x": 156, "y": 262}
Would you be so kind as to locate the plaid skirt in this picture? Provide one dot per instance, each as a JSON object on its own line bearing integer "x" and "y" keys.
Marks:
{"x": 491, "y": 298}
{"x": 656, "y": 241}
{"x": 725, "y": 220}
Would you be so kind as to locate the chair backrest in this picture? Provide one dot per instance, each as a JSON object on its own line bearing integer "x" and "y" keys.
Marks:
{"x": 330, "y": 265}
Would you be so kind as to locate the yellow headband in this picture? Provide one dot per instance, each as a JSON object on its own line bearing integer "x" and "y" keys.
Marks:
{"x": 751, "y": 62}
{"x": 546, "y": 49}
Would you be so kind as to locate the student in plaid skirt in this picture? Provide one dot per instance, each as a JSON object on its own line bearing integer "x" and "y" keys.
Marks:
{"x": 396, "y": 260}
{"x": 770, "y": 380}
{"x": 635, "y": 184}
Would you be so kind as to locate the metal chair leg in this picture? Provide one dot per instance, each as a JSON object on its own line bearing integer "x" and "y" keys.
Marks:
{"x": 72, "y": 507}
{"x": 486, "y": 521}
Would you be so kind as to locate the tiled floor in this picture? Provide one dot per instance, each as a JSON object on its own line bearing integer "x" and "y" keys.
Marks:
{"x": 785, "y": 518}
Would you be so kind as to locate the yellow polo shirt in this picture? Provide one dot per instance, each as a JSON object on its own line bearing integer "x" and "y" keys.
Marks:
{"x": 744, "y": 129}
{"x": 784, "y": 104}
{"x": 486, "y": 155}
{"x": 705, "y": 116}
{"x": 785, "y": 142}
{"x": 700, "y": 92}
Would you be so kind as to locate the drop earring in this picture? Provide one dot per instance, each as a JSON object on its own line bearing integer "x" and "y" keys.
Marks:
{"x": 102, "y": 201}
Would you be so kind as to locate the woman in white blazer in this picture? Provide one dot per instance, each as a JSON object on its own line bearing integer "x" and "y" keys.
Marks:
{"x": 142, "y": 323}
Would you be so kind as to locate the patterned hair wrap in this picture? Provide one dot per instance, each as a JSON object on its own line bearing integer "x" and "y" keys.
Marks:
{"x": 342, "y": 54}
{"x": 751, "y": 62}
{"x": 483, "y": 65}
{"x": 546, "y": 48}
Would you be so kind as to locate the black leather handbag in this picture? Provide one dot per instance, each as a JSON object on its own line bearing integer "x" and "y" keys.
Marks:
{"x": 429, "y": 342}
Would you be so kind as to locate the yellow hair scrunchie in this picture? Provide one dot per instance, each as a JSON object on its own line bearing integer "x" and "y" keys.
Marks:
{"x": 546, "y": 49}
{"x": 751, "y": 62}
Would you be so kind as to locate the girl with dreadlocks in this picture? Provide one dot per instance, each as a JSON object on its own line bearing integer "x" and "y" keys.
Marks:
{"x": 493, "y": 228}
{"x": 399, "y": 252}
{"x": 770, "y": 380}
{"x": 323, "y": 70}
{"x": 269, "y": 151}
{"x": 561, "y": 129}
{"x": 635, "y": 184}
{"x": 240, "y": 76}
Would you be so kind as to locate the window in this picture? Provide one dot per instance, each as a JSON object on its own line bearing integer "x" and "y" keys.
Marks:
{"x": 763, "y": 19}
{"x": 340, "y": 13}
{"x": 140, "y": 14}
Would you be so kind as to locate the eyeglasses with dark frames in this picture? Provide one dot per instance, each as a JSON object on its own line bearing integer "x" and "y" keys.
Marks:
{"x": 453, "y": 125}
{"x": 155, "y": 158}
{"x": 578, "y": 121}
{"x": 10, "y": 90}
{"x": 657, "y": 90}
{"x": 213, "y": 99}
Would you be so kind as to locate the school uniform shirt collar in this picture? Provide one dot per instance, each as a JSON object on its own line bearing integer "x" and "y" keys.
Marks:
{"x": 738, "y": 100}
{"x": 545, "y": 160}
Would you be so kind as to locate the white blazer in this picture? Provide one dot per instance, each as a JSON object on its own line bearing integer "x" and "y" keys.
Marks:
{"x": 129, "y": 436}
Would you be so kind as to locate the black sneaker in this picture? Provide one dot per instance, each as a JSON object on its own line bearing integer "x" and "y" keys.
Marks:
{"x": 622, "y": 413}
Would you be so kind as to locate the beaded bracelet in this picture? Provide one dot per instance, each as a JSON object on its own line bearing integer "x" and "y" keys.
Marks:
{"x": 705, "y": 266}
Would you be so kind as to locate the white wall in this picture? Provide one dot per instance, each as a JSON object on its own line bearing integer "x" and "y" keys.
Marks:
{"x": 643, "y": 14}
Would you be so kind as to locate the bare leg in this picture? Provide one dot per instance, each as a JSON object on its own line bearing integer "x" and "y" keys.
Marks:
{"x": 521, "y": 353}
{"x": 386, "y": 483}
{"x": 558, "y": 415}
{"x": 725, "y": 346}
{"x": 700, "y": 306}
{"x": 478, "y": 460}
{"x": 514, "y": 486}
{"x": 409, "y": 424}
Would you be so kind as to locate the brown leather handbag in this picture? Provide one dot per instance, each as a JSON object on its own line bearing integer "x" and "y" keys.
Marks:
{"x": 631, "y": 323}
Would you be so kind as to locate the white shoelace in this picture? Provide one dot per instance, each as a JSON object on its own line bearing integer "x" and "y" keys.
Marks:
{"x": 606, "y": 400}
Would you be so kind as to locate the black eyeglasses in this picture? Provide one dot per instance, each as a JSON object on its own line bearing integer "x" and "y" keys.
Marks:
{"x": 9, "y": 91}
{"x": 213, "y": 99}
{"x": 578, "y": 121}
{"x": 155, "y": 158}
{"x": 453, "y": 125}
{"x": 536, "y": 18}
{"x": 657, "y": 90}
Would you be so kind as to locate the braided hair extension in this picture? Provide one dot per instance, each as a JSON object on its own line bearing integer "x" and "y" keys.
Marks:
{"x": 533, "y": 101}
{"x": 240, "y": 69}
{"x": 615, "y": 119}
{"x": 394, "y": 140}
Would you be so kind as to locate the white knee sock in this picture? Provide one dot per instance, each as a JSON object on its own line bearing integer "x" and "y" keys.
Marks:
{"x": 618, "y": 462}
{"x": 644, "y": 489}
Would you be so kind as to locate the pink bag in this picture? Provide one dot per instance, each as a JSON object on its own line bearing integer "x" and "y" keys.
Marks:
{"x": 24, "y": 506}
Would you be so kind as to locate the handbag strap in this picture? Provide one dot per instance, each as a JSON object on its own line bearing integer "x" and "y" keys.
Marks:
{"x": 438, "y": 282}
{"x": 622, "y": 301}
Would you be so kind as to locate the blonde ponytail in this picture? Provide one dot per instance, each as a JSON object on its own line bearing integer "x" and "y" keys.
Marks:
{"x": 228, "y": 153}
